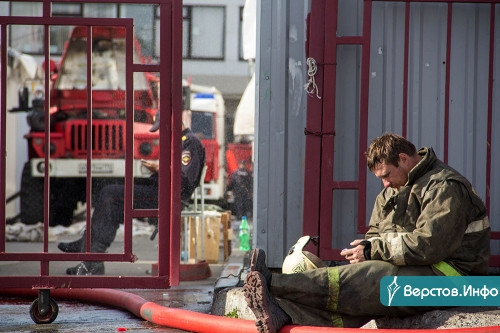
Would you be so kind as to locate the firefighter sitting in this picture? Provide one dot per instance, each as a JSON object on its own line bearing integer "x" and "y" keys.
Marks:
{"x": 427, "y": 221}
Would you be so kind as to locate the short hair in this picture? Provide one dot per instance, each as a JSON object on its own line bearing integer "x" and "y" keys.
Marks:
{"x": 386, "y": 149}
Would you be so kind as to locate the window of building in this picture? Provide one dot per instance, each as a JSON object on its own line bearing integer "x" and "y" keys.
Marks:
{"x": 240, "y": 35}
{"x": 24, "y": 38}
{"x": 67, "y": 9}
{"x": 186, "y": 31}
{"x": 203, "y": 27}
{"x": 29, "y": 39}
{"x": 143, "y": 24}
{"x": 59, "y": 34}
{"x": 109, "y": 10}
{"x": 203, "y": 32}
{"x": 157, "y": 35}
{"x": 4, "y": 7}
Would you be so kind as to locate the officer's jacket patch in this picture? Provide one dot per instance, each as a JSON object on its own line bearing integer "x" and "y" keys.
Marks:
{"x": 186, "y": 157}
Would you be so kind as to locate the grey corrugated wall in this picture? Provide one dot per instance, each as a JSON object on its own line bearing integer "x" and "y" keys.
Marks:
{"x": 281, "y": 106}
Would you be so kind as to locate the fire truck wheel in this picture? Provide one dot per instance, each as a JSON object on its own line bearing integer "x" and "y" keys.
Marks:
{"x": 31, "y": 197}
{"x": 46, "y": 318}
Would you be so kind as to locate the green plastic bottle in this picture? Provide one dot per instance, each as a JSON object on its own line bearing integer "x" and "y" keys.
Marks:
{"x": 244, "y": 234}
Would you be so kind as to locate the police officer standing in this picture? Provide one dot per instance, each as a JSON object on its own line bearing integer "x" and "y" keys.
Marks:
{"x": 108, "y": 209}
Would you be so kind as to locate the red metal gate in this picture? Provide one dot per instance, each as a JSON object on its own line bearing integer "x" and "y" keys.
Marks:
{"x": 168, "y": 213}
{"x": 322, "y": 117}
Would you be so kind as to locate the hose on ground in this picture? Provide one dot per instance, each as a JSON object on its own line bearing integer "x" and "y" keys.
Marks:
{"x": 195, "y": 321}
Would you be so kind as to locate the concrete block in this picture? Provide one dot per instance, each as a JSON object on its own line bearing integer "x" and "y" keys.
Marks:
{"x": 232, "y": 300}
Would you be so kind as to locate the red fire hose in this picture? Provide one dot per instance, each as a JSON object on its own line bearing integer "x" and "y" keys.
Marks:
{"x": 199, "y": 322}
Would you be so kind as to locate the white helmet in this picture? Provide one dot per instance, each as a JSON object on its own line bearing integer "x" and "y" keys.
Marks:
{"x": 299, "y": 260}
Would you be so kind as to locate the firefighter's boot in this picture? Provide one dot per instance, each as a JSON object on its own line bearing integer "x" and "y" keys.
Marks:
{"x": 269, "y": 316}
{"x": 258, "y": 263}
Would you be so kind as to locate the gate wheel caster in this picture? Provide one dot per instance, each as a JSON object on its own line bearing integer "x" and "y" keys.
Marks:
{"x": 44, "y": 309}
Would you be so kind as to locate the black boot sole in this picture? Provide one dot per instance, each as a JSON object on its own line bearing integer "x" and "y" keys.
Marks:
{"x": 270, "y": 318}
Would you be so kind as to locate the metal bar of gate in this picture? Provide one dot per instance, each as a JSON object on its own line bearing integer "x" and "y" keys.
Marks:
{"x": 88, "y": 185}
{"x": 3, "y": 116}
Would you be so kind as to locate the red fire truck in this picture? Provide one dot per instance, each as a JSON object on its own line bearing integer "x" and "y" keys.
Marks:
{"x": 68, "y": 126}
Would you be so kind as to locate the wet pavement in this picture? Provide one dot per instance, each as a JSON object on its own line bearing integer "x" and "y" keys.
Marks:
{"x": 75, "y": 316}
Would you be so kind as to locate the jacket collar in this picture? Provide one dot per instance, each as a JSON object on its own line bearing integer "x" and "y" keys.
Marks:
{"x": 429, "y": 157}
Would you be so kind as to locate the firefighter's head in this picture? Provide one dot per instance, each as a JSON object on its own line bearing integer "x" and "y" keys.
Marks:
{"x": 391, "y": 158}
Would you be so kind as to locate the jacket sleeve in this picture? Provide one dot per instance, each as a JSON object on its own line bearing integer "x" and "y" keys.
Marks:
{"x": 191, "y": 167}
{"x": 377, "y": 216}
{"x": 438, "y": 232}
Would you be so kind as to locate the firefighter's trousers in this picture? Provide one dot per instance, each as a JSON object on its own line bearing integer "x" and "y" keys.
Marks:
{"x": 342, "y": 296}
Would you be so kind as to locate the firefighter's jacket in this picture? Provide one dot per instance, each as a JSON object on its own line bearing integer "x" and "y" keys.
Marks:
{"x": 436, "y": 219}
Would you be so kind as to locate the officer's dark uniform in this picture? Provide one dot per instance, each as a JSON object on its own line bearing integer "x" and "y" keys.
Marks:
{"x": 108, "y": 212}
{"x": 193, "y": 160}
{"x": 108, "y": 209}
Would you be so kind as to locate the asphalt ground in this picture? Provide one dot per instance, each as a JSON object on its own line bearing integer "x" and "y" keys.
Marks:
{"x": 75, "y": 316}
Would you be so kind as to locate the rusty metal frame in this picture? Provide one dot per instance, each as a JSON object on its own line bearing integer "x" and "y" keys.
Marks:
{"x": 168, "y": 213}
{"x": 322, "y": 46}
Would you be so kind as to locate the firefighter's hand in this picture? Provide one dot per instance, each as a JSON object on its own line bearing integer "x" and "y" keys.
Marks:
{"x": 355, "y": 254}
{"x": 151, "y": 166}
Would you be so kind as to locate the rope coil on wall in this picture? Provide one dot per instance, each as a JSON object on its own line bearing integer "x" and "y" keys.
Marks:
{"x": 310, "y": 86}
